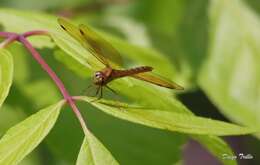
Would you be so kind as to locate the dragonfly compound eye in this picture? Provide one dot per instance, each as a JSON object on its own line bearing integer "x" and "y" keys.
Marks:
{"x": 98, "y": 75}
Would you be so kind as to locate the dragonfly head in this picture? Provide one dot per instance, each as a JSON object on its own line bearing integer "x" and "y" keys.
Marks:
{"x": 99, "y": 78}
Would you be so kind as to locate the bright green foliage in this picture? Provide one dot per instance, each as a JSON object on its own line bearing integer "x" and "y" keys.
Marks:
{"x": 220, "y": 77}
{"x": 6, "y": 73}
{"x": 231, "y": 74}
{"x": 37, "y": 21}
{"x": 21, "y": 139}
{"x": 72, "y": 64}
{"x": 93, "y": 152}
{"x": 169, "y": 120}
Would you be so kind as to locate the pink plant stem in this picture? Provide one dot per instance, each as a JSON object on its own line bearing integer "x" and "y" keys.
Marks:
{"x": 35, "y": 32}
{"x": 9, "y": 40}
{"x": 6, "y": 34}
{"x": 55, "y": 78}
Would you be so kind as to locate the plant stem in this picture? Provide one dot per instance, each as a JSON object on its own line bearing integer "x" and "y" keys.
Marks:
{"x": 7, "y": 41}
{"x": 55, "y": 78}
{"x": 6, "y": 34}
{"x": 13, "y": 36}
{"x": 35, "y": 32}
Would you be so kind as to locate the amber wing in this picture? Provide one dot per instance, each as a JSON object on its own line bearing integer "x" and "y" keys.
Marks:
{"x": 99, "y": 48}
{"x": 155, "y": 79}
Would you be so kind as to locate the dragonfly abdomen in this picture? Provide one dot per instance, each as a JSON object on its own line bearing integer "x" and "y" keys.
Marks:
{"x": 129, "y": 72}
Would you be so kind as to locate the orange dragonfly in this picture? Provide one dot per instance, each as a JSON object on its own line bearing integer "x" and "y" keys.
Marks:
{"x": 103, "y": 51}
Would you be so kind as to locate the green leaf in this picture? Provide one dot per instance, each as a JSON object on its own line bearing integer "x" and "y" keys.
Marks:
{"x": 72, "y": 64}
{"x": 6, "y": 74}
{"x": 231, "y": 74}
{"x": 12, "y": 115}
{"x": 142, "y": 145}
{"x": 214, "y": 144}
{"x": 21, "y": 139}
{"x": 169, "y": 120}
{"x": 94, "y": 152}
{"x": 27, "y": 21}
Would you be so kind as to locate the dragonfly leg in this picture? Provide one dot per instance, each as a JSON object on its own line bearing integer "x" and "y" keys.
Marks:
{"x": 112, "y": 90}
{"x": 117, "y": 95}
{"x": 87, "y": 91}
{"x": 98, "y": 89}
{"x": 99, "y": 92}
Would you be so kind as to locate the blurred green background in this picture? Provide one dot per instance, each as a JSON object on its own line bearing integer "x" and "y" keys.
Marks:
{"x": 213, "y": 45}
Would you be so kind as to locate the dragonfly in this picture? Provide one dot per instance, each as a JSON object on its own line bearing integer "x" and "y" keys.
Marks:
{"x": 104, "y": 52}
